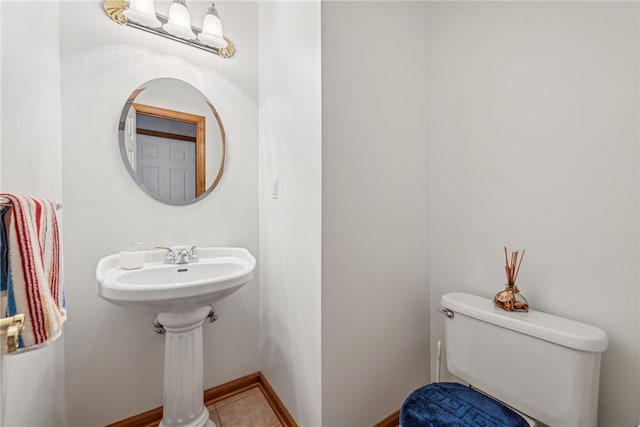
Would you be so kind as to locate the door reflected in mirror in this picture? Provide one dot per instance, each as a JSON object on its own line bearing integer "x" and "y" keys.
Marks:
{"x": 172, "y": 141}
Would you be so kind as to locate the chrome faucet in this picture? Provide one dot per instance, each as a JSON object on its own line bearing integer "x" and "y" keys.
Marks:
{"x": 180, "y": 254}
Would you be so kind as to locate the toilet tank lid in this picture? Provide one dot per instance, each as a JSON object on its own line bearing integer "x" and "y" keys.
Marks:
{"x": 559, "y": 330}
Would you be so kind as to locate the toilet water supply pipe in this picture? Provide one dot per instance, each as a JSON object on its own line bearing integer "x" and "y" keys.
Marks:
{"x": 438, "y": 360}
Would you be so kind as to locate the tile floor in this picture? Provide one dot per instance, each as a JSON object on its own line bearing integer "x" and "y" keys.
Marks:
{"x": 247, "y": 409}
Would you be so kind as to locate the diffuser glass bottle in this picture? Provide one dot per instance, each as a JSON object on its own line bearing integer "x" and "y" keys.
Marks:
{"x": 510, "y": 298}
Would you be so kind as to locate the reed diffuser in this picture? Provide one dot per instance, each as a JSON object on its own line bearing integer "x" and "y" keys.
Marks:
{"x": 510, "y": 298}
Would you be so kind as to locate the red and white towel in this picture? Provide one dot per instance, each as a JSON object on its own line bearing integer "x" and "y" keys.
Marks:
{"x": 31, "y": 269}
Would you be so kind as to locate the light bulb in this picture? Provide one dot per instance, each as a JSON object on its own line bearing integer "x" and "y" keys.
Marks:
{"x": 143, "y": 12}
{"x": 179, "y": 21}
{"x": 211, "y": 34}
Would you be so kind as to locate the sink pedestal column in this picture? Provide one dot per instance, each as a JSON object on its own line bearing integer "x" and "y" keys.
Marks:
{"x": 183, "y": 404}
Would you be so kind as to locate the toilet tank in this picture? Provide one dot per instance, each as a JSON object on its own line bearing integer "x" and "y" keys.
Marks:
{"x": 545, "y": 366}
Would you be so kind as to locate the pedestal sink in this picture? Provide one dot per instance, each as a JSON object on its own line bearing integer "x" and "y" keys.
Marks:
{"x": 181, "y": 295}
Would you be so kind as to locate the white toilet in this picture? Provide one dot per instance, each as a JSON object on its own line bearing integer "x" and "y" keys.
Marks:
{"x": 545, "y": 367}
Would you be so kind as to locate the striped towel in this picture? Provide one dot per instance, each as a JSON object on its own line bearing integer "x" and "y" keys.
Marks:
{"x": 31, "y": 269}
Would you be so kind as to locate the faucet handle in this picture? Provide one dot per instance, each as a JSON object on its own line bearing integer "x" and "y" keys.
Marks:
{"x": 193, "y": 254}
{"x": 171, "y": 255}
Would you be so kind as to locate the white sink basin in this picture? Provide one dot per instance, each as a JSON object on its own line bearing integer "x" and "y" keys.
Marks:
{"x": 170, "y": 288}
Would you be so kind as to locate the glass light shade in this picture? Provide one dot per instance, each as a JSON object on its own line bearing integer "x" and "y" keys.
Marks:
{"x": 211, "y": 34}
{"x": 143, "y": 12}
{"x": 179, "y": 21}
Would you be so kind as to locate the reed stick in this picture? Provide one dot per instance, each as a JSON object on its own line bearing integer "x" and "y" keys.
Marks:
{"x": 512, "y": 267}
{"x": 519, "y": 264}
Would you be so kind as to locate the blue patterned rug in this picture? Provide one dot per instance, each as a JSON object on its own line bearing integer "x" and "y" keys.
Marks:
{"x": 455, "y": 405}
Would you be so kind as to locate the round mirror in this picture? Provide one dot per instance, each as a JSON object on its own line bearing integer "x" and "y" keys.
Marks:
{"x": 172, "y": 141}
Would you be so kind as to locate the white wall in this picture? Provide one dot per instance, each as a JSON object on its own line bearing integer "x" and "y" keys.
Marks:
{"x": 31, "y": 162}
{"x": 114, "y": 362}
{"x": 534, "y": 133}
{"x": 1, "y": 149}
{"x": 290, "y": 150}
{"x": 3, "y": 400}
{"x": 375, "y": 208}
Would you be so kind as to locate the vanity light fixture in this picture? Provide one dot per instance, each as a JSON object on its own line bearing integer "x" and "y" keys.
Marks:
{"x": 177, "y": 26}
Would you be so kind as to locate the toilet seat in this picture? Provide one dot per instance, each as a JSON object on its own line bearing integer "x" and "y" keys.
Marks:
{"x": 454, "y": 404}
